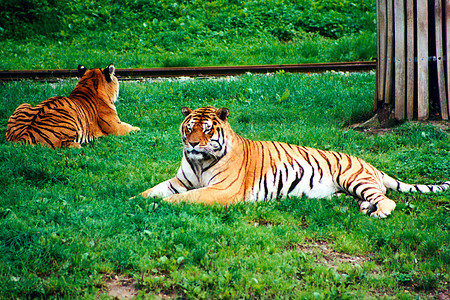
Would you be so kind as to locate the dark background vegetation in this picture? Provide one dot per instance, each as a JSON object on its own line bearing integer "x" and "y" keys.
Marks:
{"x": 184, "y": 20}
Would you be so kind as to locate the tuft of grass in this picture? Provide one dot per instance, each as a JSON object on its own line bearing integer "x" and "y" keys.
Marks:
{"x": 67, "y": 221}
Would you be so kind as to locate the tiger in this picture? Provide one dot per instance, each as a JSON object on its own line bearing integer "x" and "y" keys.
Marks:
{"x": 220, "y": 166}
{"x": 86, "y": 114}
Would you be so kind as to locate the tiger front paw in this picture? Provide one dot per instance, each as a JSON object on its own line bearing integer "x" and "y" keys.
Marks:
{"x": 73, "y": 145}
{"x": 148, "y": 194}
{"x": 384, "y": 208}
{"x": 176, "y": 198}
{"x": 131, "y": 128}
{"x": 126, "y": 128}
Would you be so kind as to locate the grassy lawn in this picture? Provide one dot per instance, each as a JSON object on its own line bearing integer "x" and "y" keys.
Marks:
{"x": 49, "y": 54}
{"x": 179, "y": 33}
{"x": 68, "y": 226}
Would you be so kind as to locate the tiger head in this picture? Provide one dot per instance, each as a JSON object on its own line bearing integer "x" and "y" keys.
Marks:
{"x": 204, "y": 132}
{"x": 102, "y": 82}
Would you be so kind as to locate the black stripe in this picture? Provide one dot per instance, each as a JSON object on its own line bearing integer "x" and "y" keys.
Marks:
{"x": 181, "y": 181}
{"x": 266, "y": 190}
{"x": 318, "y": 167}
{"x": 325, "y": 157}
{"x": 215, "y": 161}
{"x": 193, "y": 167}
{"x": 311, "y": 185}
{"x": 363, "y": 192}
{"x": 276, "y": 148}
{"x": 280, "y": 184}
{"x": 175, "y": 191}
{"x": 294, "y": 184}
{"x": 352, "y": 190}
{"x": 44, "y": 136}
{"x": 185, "y": 177}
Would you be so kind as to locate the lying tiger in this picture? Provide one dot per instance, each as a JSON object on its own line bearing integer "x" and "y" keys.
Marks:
{"x": 88, "y": 113}
{"x": 220, "y": 166}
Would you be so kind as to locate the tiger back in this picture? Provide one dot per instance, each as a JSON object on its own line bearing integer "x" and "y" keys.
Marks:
{"x": 219, "y": 166}
{"x": 86, "y": 114}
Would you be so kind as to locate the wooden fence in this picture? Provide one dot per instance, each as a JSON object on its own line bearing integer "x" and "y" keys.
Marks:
{"x": 413, "y": 65}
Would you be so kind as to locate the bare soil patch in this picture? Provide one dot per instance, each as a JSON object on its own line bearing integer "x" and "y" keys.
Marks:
{"x": 120, "y": 287}
{"x": 329, "y": 256}
{"x": 371, "y": 127}
{"x": 444, "y": 295}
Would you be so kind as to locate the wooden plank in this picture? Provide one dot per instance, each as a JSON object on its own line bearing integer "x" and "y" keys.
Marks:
{"x": 399, "y": 57}
{"x": 422, "y": 60}
{"x": 381, "y": 49}
{"x": 377, "y": 72}
{"x": 440, "y": 59}
{"x": 447, "y": 51}
{"x": 410, "y": 37}
{"x": 389, "y": 52}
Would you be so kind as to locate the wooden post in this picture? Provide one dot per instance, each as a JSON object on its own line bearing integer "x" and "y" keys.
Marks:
{"x": 381, "y": 17}
{"x": 399, "y": 54}
{"x": 389, "y": 51}
{"x": 422, "y": 60}
{"x": 410, "y": 37}
{"x": 447, "y": 26}
{"x": 404, "y": 82}
{"x": 440, "y": 59}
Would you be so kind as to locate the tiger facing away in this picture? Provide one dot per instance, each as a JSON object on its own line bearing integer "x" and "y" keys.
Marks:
{"x": 86, "y": 114}
{"x": 220, "y": 166}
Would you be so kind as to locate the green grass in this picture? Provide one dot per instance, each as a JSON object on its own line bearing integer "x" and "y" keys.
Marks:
{"x": 67, "y": 222}
{"x": 254, "y": 51}
{"x": 171, "y": 33}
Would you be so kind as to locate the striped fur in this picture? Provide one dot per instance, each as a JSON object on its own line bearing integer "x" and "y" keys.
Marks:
{"x": 88, "y": 113}
{"x": 220, "y": 166}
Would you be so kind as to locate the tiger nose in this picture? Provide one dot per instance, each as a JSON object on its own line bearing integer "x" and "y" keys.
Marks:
{"x": 193, "y": 144}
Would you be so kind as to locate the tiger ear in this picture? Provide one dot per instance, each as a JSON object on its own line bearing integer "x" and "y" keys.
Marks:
{"x": 223, "y": 113}
{"x": 186, "y": 111}
{"x": 108, "y": 71}
{"x": 81, "y": 70}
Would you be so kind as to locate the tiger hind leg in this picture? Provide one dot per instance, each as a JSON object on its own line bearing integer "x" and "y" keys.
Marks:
{"x": 372, "y": 200}
{"x": 381, "y": 209}
{"x": 384, "y": 208}
{"x": 366, "y": 207}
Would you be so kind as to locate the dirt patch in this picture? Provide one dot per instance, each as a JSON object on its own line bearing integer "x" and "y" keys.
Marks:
{"x": 444, "y": 295}
{"x": 329, "y": 256}
{"x": 371, "y": 127}
{"x": 263, "y": 222}
{"x": 120, "y": 287}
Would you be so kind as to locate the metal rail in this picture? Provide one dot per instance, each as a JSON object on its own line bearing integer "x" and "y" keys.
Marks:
{"x": 125, "y": 74}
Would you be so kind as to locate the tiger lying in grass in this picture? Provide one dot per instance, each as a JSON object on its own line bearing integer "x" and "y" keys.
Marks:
{"x": 220, "y": 166}
{"x": 88, "y": 113}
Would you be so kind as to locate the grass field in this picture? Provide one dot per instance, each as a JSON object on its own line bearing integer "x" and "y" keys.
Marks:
{"x": 68, "y": 226}
{"x": 179, "y": 33}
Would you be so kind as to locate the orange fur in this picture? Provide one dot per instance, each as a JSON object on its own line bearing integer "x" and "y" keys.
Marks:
{"x": 219, "y": 166}
{"x": 86, "y": 114}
